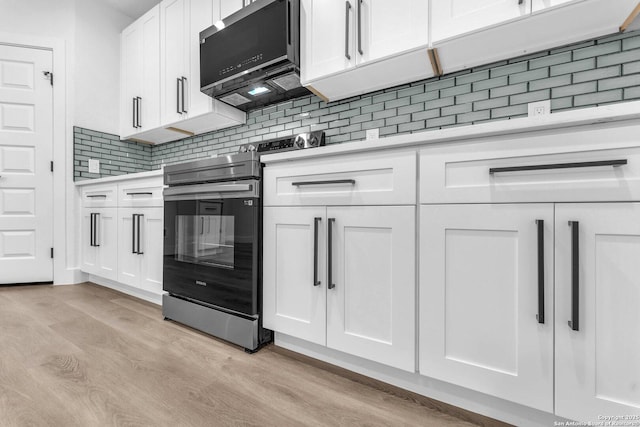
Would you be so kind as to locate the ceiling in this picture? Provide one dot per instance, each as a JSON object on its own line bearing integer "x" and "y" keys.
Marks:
{"x": 132, "y": 8}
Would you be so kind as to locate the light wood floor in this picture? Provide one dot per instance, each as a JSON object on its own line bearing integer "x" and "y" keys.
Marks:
{"x": 84, "y": 355}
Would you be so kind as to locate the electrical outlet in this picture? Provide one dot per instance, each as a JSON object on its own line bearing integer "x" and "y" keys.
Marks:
{"x": 94, "y": 166}
{"x": 540, "y": 108}
{"x": 373, "y": 133}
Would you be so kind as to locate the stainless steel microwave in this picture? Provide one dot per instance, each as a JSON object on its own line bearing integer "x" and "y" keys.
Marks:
{"x": 252, "y": 58}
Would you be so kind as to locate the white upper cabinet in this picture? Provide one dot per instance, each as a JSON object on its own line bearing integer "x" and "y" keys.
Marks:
{"x": 537, "y": 5}
{"x": 387, "y": 28}
{"x": 161, "y": 60}
{"x": 357, "y": 46}
{"x": 174, "y": 50}
{"x": 326, "y": 51}
{"x": 224, "y": 8}
{"x": 140, "y": 80}
{"x": 451, "y": 18}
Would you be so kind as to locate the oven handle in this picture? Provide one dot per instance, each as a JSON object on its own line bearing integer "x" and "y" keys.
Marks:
{"x": 206, "y": 188}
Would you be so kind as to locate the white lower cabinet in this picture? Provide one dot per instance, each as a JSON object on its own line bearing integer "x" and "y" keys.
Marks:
{"x": 482, "y": 296}
{"x": 140, "y": 240}
{"x": 598, "y": 365}
{"x": 343, "y": 277}
{"x": 100, "y": 242}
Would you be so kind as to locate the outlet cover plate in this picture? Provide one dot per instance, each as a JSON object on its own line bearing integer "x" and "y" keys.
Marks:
{"x": 94, "y": 166}
{"x": 373, "y": 133}
{"x": 540, "y": 108}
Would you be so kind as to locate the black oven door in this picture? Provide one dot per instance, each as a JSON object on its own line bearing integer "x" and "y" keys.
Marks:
{"x": 211, "y": 247}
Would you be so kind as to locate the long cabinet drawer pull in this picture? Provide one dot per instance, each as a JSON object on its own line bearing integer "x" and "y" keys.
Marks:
{"x": 133, "y": 110}
{"x": 574, "y": 323}
{"x": 178, "y": 83}
{"x": 330, "y": 285}
{"x": 559, "y": 166}
{"x": 183, "y": 81}
{"x": 335, "y": 181}
{"x": 138, "y": 112}
{"x": 141, "y": 193}
{"x": 540, "y": 226}
{"x": 316, "y": 221}
{"x": 346, "y": 30}
{"x": 93, "y": 196}
{"x": 95, "y": 234}
{"x": 91, "y": 223}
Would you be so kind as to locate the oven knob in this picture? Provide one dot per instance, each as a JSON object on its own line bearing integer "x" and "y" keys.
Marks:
{"x": 243, "y": 149}
{"x": 251, "y": 147}
{"x": 300, "y": 141}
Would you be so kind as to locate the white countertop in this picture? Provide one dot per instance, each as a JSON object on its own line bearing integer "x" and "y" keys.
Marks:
{"x": 580, "y": 117}
{"x": 126, "y": 177}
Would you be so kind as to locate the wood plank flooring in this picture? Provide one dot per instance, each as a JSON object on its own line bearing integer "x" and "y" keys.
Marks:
{"x": 84, "y": 355}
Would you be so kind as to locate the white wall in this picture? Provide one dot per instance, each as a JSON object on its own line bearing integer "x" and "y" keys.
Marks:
{"x": 84, "y": 38}
{"x": 97, "y": 65}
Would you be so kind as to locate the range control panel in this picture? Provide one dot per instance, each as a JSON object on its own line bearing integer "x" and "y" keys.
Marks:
{"x": 298, "y": 142}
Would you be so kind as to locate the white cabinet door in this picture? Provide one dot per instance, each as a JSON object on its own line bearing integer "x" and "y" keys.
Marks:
{"x": 386, "y": 28}
{"x": 371, "y": 295}
{"x": 597, "y": 366}
{"x": 451, "y": 18}
{"x": 294, "y": 249}
{"x": 479, "y": 272}
{"x": 88, "y": 250}
{"x": 128, "y": 260}
{"x": 226, "y": 8}
{"x": 140, "y": 86}
{"x": 538, "y": 5}
{"x": 202, "y": 14}
{"x": 151, "y": 246}
{"x": 100, "y": 242}
{"x": 174, "y": 53}
{"x": 327, "y": 32}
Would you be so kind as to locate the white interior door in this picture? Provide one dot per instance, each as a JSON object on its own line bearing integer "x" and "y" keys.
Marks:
{"x": 371, "y": 302}
{"x": 26, "y": 191}
{"x": 598, "y": 365}
{"x": 479, "y": 300}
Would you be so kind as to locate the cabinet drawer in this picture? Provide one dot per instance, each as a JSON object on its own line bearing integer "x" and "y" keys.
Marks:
{"x": 141, "y": 193}
{"x": 99, "y": 195}
{"x": 586, "y": 164}
{"x": 373, "y": 179}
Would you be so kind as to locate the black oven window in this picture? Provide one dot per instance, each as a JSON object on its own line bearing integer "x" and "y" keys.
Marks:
{"x": 205, "y": 239}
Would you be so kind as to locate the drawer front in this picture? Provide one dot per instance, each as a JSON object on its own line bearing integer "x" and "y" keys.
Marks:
{"x": 141, "y": 193}
{"x": 576, "y": 165}
{"x": 371, "y": 179}
{"x": 99, "y": 195}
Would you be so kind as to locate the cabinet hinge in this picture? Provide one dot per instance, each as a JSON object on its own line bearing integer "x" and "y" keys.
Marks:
{"x": 51, "y": 165}
{"x": 51, "y": 252}
{"x": 50, "y": 75}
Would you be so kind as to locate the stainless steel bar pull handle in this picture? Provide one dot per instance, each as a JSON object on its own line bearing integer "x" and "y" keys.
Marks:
{"x": 346, "y": 30}
{"x": 316, "y": 221}
{"x": 96, "y": 230}
{"x": 334, "y": 181}
{"x": 133, "y": 111}
{"x": 91, "y": 230}
{"x": 178, "y": 82}
{"x": 140, "y": 193}
{"x": 613, "y": 163}
{"x": 139, "y": 111}
{"x": 331, "y": 285}
{"x": 184, "y": 81}
{"x": 133, "y": 234}
{"x": 540, "y": 226}
{"x": 139, "y": 252}
{"x": 360, "y": 51}
{"x": 574, "y": 323}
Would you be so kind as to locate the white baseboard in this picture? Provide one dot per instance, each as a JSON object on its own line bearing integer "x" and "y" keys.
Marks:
{"x": 129, "y": 290}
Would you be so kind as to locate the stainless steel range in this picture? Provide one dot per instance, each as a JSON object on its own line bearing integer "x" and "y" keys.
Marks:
{"x": 213, "y": 242}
